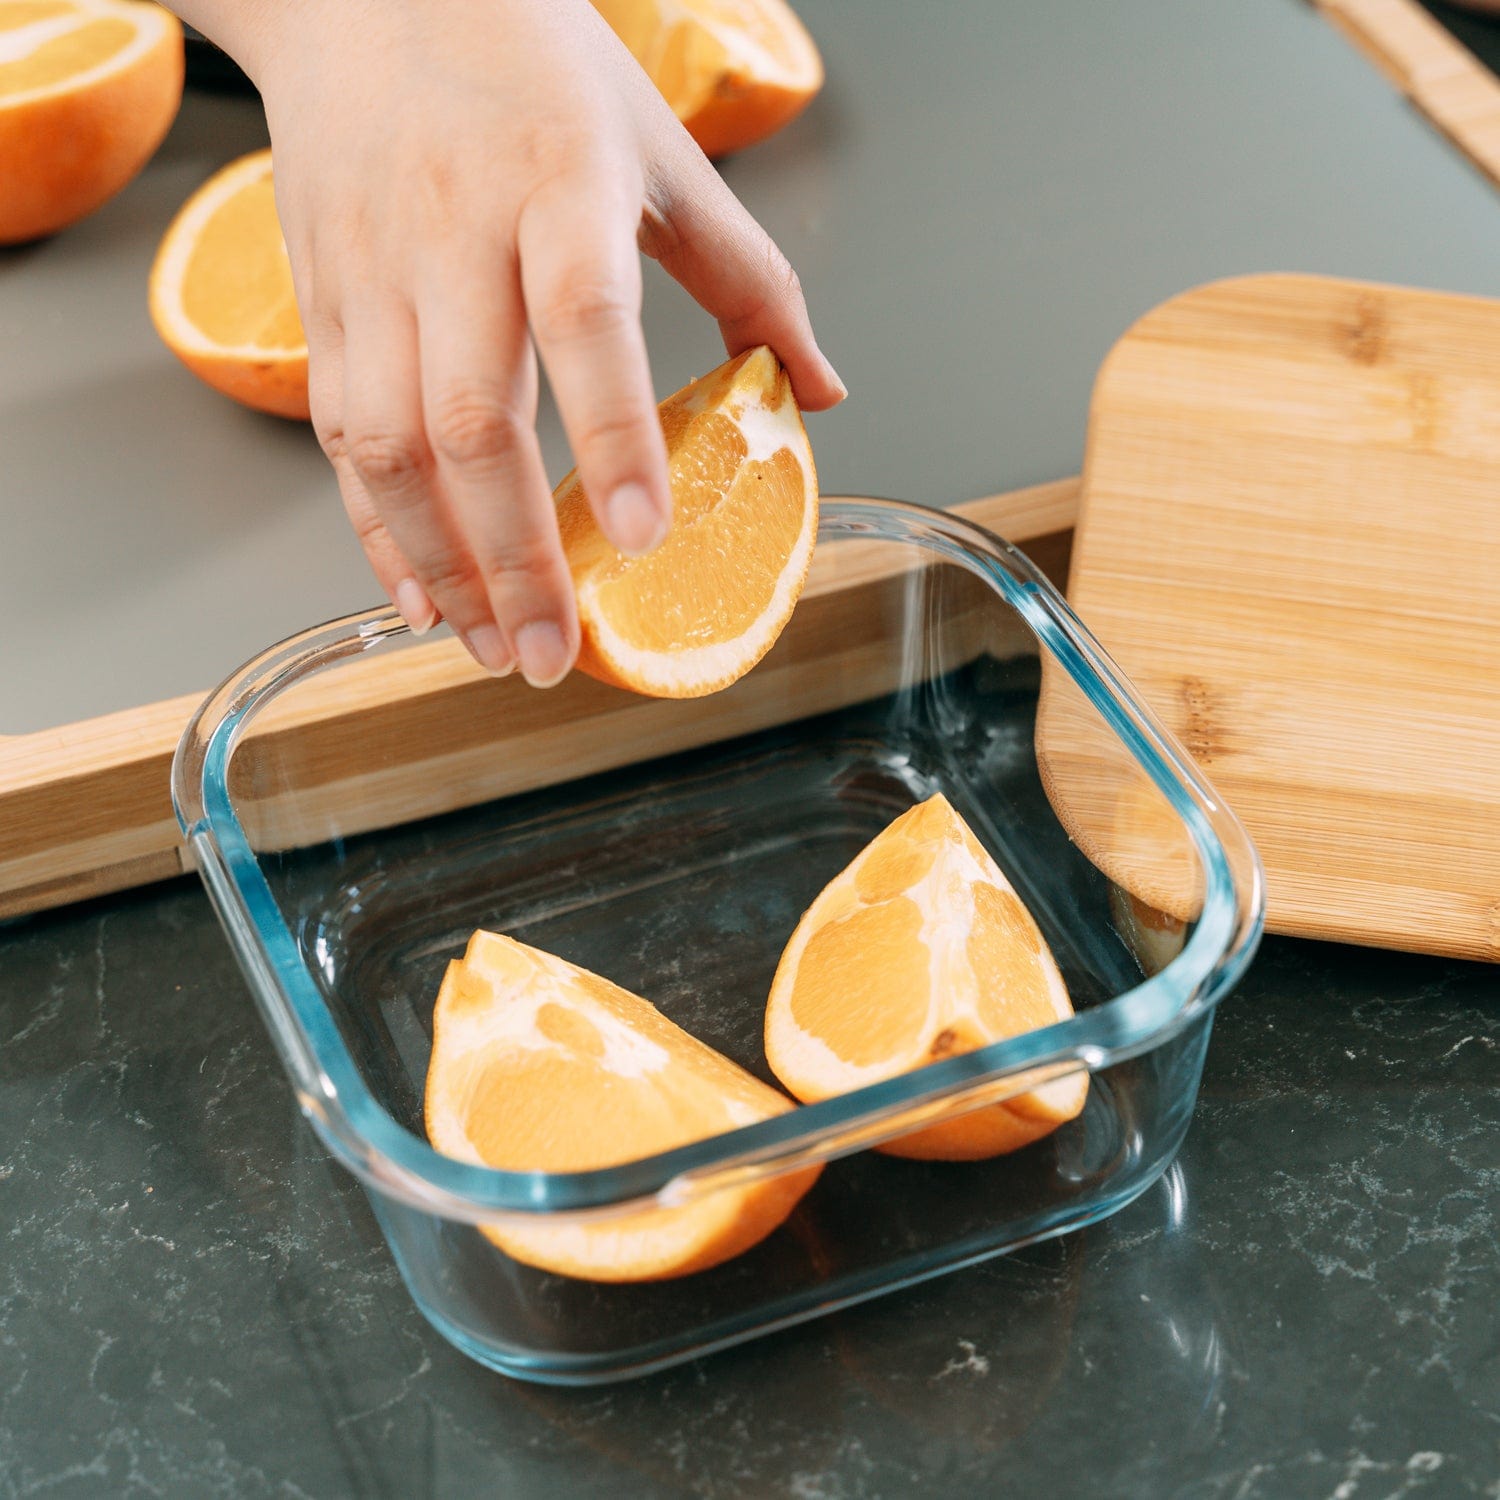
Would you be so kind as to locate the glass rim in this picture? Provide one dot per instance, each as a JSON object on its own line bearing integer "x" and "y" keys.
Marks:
{"x": 367, "y": 1139}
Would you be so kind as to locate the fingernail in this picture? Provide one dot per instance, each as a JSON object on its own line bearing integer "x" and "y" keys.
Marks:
{"x": 837, "y": 379}
{"x": 545, "y": 658}
{"x": 416, "y": 608}
{"x": 487, "y": 646}
{"x": 635, "y": 522}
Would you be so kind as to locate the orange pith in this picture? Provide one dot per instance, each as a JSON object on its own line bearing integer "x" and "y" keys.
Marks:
{"x": 697, "y": 613}
{"x": 88, "y": 89}
{"x": 540, "y": 1066}
{"x": 221, "y": 292}
{"x": 733, "y": 71}
{"x": 919, "y": 950}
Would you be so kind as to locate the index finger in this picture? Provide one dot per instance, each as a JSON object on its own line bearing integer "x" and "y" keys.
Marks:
{"x": 581, "y": 278}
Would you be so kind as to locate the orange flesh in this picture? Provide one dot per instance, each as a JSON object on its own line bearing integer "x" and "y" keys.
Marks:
{"x": 560, "y": 1108}
{"x": 524, "y": 1112}
{"x": 700, "y": 610}
{"x": 703, "y": 586}
{"x": 566, "y": 1028}
{"x": 916, "y": 952}
{"x": 237, "y": 288}
{"x": 540, "y": 1066}
{"x": 66, "y": 56}
{"x": 18, "y": 13}
{"x": 862, "y": 985}
{"x": 893, "y": 869}
{"x": 1013, "y": 995}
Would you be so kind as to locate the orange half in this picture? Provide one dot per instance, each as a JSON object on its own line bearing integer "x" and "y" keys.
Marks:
{"x": 919, "y": 950}
{"x": 697, "y": 613}
{"x": 221, "y": 292}
{"x": 538, "y": 1066}
{"x": 733, "y": 71}
{"x": 88, "y": 88}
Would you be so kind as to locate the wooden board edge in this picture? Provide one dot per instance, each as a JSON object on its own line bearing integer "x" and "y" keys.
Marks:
{"x": 85, "y": 808}
{"x": 105, "y": 880}
{"x": 1431, "y": 67}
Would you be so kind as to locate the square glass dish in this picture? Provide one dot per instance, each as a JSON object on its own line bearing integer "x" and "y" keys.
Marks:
{"x": 358, "y": 803}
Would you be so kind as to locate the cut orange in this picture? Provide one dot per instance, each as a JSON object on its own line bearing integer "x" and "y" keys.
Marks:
{"x": 88, "y": 89}
{"x": 733, "y": 71}
{"x": 919, "y": 950}
{"x": 538, "y": 1066}
{"x": 708, "y": 603}
{"x": 221, "y": 292}
{"x": 1154, "y": 937}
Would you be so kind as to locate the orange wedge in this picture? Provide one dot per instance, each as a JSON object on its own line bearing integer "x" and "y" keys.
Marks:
{"x": 919, "y": 950}
{"x": 733, "y": 71}
{"x": 705, "y": 606}
{"x": 1154, "y": 937}
{"x": 541, "y": 1066}
{"x": 221, "y": 292}
{"x": 88, "y": 89}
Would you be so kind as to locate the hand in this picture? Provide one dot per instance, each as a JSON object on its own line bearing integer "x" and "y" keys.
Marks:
{"x": 463, "y": 184}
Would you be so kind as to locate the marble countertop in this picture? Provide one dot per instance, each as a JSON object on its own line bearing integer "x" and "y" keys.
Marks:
{"x": 195, "y": 1301}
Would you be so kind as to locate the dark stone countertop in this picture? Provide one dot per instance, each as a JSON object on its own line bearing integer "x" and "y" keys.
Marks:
{"x": 194, "y": 1301}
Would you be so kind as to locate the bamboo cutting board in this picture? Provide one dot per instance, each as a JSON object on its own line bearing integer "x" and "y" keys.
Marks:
{"x": 1289, "y": 539}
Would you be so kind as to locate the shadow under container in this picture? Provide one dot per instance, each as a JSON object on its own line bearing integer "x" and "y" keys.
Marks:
{"x": 359, "y": 802}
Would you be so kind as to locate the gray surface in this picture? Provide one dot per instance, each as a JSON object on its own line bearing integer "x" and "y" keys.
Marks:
{"x": 194, "y": 1301}
{"x": 982, "y": 199}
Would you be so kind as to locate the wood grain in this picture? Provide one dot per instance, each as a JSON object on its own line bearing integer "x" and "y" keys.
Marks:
{"x": 1442, "y": 78}
{"x": 85, "y": 809}
{"x": 1289, "y": 539}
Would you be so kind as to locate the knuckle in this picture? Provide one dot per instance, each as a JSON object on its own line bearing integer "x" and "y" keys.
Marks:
{"x": 582, "y": 308}
{"x": 319, "y": 322}
{"x": 326, "y": 408}
{"x": 369, "y": 530}
{"x": 612, "y": 428}
{"x": 528, "y": 559}
{"x": 556, "y": 159}
{"x": 331, "y": 441}
{"x": 659, "y": 235}
{"x": 545, "y": 154}
{"x": 780, "y": 273}
{"x": 778, "y": 286}
{"x": 368, "y": 526}
{"x": 789, "y": 282}
{"x": 454, "y": 579}
{"x": 386, "y": 458}
{"x": 470, "y": 426}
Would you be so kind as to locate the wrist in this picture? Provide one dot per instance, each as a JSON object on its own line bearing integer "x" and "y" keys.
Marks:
{"x": 252, "y": 32}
